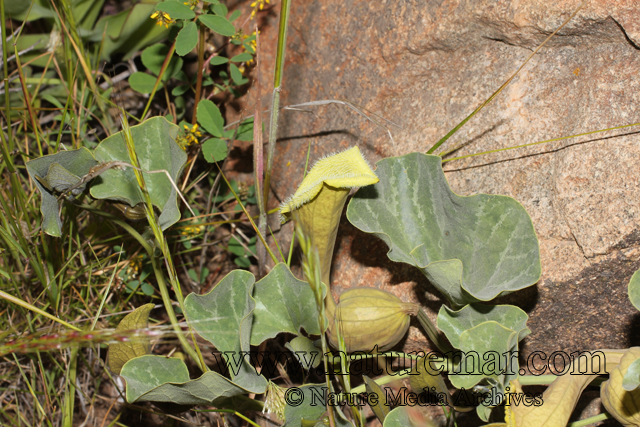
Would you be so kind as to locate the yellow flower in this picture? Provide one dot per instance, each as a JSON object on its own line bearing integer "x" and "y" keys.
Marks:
{"x": 257, "y": 5}
{"x": 190, "y": 137}
{"x": 191, "y": 3}
{"x": 163, "y": 18}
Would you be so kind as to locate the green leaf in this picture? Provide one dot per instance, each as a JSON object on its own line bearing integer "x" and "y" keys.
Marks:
{"x": 235, "y": 247}
{"x": 220, "y": 9}
{"x": 454, "y": 323}
{"x": 634, "y": 290}
{"x": 283, "y": 304}
{"x": 243, "y": 57}
{"x": 235, "y": 15}
{"x": 156, "y": 150}
{"x": 219, "y": 60}
{"x": 245, "y": 131}
{"x": 311, "y": 407}
{"x": 631, "y": 379}
{"x": 306, "y": 352}
{"x": 380, "y": 409}
{"x": 176, "y": 10}
{"x": 179, "y": 90}
{"x": 127, "y": 32}
{"x": 187, "y": 39}
{"x": 210, "y": 118}
{"x": 490, "y": 332}
{"x": 143, "y": 82}
{"x": 471, "y": 248}
{"x": 236, "y": 75}
{"x": 147, "y": 289}
{"x": 218, "y": 24}
{"x": 138, "y": 345}
{"x": 75, "y": 163}
{"x": 153, "y": 57}
{"x": 163, "y": 379}
{"x": 224, "y": 317}
{"x": 214, "y": 150}
{"x": 242, "y": 262}
{"x": 399, "y": 417}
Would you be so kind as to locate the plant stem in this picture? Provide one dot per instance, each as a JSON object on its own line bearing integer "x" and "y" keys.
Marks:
{"x": 275, "y": 101}
{"x": 590, "y": 420}
{"x": 201, "y": 32}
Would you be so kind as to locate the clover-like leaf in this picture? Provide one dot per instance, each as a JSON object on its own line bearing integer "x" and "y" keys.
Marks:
{"x": 218, "y": 24}
{"x": 121, "y": 352}
{"x": 176, "y": 10}
{"x": 224, "y": 317}
{"x": 187, "y": 39}
{"x": 55, "y": 173}
{"x": 283, "y": 304}
{"x": 471, "y": 248}
{"x": 157, "y": 150}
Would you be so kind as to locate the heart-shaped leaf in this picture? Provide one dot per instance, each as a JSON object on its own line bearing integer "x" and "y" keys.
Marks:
{"x": 224, "y": 317}
{"x": 471, "y": 248}
{"x": 488, "y": 337}
{"x": 283, "y": 304}
{"x": 55, "y": 173}
{"x": 157, "y": 150}
{"x": 163, "y": 379}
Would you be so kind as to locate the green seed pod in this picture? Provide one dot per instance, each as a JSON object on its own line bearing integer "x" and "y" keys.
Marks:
{"x": 369, "y": 317}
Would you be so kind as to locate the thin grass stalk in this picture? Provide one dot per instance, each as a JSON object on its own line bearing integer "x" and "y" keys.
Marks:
{"x": 505, "y": 84}
{"x": 6, "y": 148}
{"x": 258, "y": 165}
{"x": 27, "y": 100}
{"x": 70, "y": 392}
{"x": 165, "y": 64}
{"x": 275, "y": 100}
{"x": 86, "y": 69}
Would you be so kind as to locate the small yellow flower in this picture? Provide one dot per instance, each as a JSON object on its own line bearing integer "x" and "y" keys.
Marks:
{"x": 189, "y": 137}
{"x": 192, "y": 230}
{"x": 163, "y": 18}
{"x": 257, "y": 5}
{"x": 135, "y": 264}
{"x": 191, "y": 3}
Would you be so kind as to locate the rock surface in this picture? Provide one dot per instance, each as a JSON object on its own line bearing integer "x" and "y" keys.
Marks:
{"x": 425, "y": 65}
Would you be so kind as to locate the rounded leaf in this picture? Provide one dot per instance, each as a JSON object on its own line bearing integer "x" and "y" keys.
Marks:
{"x": 218, "y": 24}
{"x": 471, "y": 248}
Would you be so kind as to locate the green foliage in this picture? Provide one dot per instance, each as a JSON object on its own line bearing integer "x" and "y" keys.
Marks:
{"x": 470, "y": 248}
{"x": 157, "y": 151}
{"x": 218, "y": 24}
{"x": 75, "y": 164}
